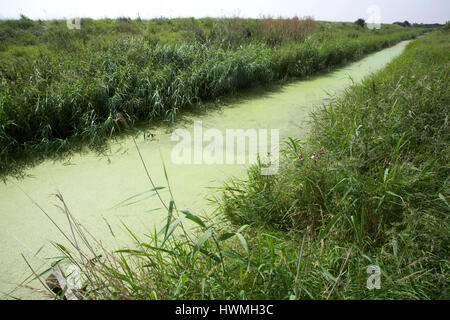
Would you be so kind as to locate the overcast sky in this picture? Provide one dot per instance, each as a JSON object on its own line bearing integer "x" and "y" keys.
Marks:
{"x": 332, "y": 10}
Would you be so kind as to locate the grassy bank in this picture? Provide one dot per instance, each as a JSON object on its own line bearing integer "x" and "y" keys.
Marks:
{"x": 369, "y": 187}
{"x": 62, "y": 88}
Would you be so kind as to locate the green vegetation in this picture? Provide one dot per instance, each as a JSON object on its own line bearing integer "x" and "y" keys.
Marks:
{"x": 403, "y": 24}
{"x": 62, "y": 88}
{"x": 360, "y": 22}
{"x": 370, "y": 187}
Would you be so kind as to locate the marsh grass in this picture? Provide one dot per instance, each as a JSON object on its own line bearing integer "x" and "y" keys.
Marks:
{"x": 374, "y": 173}
{"x": 370, "y": 187}
{"x": 64, "y": 91}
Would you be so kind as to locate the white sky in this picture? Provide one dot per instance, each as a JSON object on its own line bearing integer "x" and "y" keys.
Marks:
{"x": 332, "y": 10}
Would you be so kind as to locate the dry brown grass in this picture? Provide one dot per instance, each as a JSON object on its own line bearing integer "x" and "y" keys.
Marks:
{"x": 292, "y": 29}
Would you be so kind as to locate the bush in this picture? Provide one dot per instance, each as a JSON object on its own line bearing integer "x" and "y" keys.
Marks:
{"x": 360, "y": 22}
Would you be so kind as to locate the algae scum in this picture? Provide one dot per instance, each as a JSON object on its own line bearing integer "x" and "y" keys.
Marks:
{"x": 95, "y": 186}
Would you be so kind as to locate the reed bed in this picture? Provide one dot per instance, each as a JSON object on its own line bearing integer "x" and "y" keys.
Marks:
{"x": 63, "y": 93}
{"x": 370, "y": 187}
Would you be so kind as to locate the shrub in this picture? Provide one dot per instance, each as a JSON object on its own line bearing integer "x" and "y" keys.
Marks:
{"x": 360, "y": 22}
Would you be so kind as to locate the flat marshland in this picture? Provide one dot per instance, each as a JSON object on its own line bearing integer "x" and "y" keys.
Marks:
{"x": 369, "y": 186}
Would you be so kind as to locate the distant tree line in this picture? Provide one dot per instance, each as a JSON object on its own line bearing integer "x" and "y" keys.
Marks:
{"x": 403, "y": 24}
{"x": 427, "y": 25}
{"x": 362, "y": 23}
